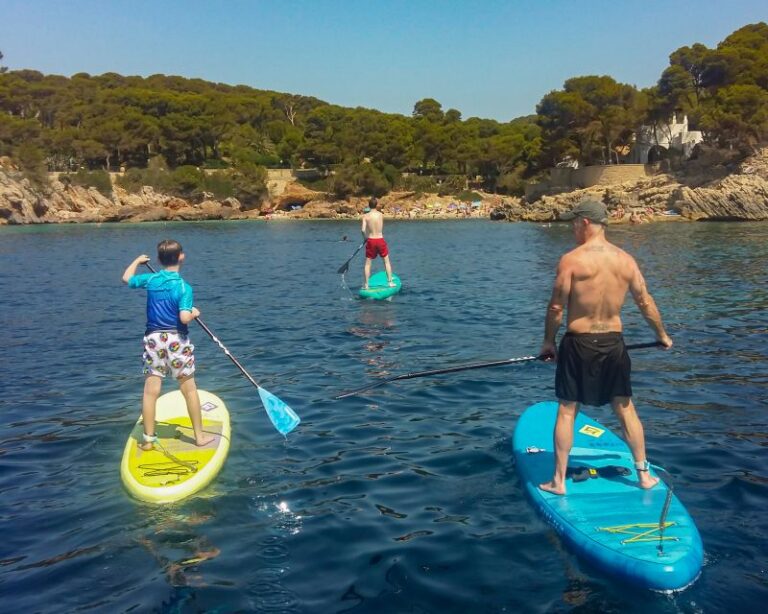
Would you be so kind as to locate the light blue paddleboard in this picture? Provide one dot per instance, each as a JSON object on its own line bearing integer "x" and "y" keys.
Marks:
{"x": 378, "y": 286}
{"x": 608, "y": 521}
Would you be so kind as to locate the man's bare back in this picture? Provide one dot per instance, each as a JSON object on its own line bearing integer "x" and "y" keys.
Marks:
{"x": 600, "y": 275}
{"x": 373, "y": 225}
{"x": 592, "y": 282}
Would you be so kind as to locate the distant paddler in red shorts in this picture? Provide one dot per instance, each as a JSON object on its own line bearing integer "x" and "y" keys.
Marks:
{"x": 375, "y": 245}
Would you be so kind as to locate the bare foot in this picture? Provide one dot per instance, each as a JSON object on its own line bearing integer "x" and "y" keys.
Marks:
{"x": 146, "y": 446}
{"x": 365, "y": 287}
{"x": 646, "y": 481}
{"x": 553, "y": 488}
{"x": 204, "y": 440}
{"x": 391, "y": 284}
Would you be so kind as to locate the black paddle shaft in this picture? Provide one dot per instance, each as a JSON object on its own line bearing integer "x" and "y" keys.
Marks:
{"x": 467, "y": 367}
{"x": 479, "y": 365}
{"x": 345, "y": 267}
{"x": 219, "y": 343}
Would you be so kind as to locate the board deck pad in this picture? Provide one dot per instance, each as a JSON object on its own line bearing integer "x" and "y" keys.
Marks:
{"x": 608, "y": 520}
{"x": 176, "y": 467}
{"x": 379, "y": 288}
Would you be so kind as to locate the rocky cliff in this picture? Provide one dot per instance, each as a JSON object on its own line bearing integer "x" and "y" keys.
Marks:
{"x": 709, "y": 192}
{"x": 23, "y": 203}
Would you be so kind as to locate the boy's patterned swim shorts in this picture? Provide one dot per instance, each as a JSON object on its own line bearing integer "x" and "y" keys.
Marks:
{"x": 166, "y": 352}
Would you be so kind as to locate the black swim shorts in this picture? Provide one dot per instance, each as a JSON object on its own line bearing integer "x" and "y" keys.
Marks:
{"x": 593, "y": 368}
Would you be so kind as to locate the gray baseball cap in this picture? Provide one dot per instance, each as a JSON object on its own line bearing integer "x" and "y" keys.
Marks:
{"x": 591, "y": 210}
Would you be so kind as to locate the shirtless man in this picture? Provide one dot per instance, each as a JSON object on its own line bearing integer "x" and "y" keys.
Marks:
{"x": 593, "y": 366}
{"x": 375, "y": 245}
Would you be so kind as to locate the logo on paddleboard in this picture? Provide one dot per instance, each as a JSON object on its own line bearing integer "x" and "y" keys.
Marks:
{"x": 208, "y": 406}
{"x": 592, "y": 431}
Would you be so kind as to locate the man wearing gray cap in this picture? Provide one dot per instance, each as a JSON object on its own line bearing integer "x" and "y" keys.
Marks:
{"x": 593, "y": 366}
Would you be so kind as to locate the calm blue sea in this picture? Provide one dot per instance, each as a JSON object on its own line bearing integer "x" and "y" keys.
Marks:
{"x": 404, "y": 500}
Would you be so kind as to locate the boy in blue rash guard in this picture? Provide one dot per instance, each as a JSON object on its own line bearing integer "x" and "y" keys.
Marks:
{"x": 167, "y": 348}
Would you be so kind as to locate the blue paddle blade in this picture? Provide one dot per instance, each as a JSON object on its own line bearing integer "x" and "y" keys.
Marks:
{"x": 282, "y": 416}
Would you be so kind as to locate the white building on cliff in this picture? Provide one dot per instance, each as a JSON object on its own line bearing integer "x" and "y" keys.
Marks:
{"x": 654, "y": 142}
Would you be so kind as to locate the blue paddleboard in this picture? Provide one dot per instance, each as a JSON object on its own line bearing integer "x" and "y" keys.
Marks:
{"x": 378, "y": 286}
{"x": 604, "y": 517}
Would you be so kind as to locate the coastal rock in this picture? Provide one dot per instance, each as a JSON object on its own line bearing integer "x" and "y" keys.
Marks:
{"x": 189, "y": 214}
{"x": 692, "y": 193}
{"x": 174, "y": 204}
{"x": 345, "y": 208}
{"x": 316, "y": 209}
{"x": 716, "y": 185}
{"x": 737, "y": 197}
{"x": 511, "y": 210}
{"x": 69, "y": 203}
{"x": 756, "y": 165}
{"x": 132, "y": 213}
{"x": 19, "y": 202}
{"x": 294, "y": 195}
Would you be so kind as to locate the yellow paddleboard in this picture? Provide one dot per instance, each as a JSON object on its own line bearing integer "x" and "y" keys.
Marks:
{"x": 176, "y": 468}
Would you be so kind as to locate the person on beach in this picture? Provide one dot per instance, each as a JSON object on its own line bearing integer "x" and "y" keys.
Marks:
{"x": 593, "y": 366}
{"x": 375, "y": 245}
{"x": 167, "y": 348}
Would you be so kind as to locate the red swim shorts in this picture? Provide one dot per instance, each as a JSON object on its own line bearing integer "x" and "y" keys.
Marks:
{"x": 376, "y": 247}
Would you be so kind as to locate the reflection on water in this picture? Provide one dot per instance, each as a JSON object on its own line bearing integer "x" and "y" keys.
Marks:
{"x": 373, "y": 327}
{"x": 178, "y": 545}
{"x": 404, "y": 499}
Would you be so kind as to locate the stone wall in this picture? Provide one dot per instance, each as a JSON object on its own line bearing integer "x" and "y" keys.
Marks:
{"x": 566, "y": 179}
{"x": 54, "y": 175}
{"x": 280, "y": 180}
{"x": 279, "y": 174}
{"x": 611, "y": 174}
{"x": 288, "y": 174}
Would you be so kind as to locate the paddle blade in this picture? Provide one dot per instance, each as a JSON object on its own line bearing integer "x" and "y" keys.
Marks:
{"x": 283, "y": 417}
{"x": 345, "y": 267}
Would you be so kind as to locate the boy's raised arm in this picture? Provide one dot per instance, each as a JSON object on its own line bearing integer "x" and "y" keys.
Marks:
{"x": 131, "y": 270}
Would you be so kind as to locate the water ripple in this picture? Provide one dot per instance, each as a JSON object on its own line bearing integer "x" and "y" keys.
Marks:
{"x": 403, "y": 499}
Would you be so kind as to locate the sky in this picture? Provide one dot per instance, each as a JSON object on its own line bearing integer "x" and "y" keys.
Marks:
{"x": 487, "y": 58}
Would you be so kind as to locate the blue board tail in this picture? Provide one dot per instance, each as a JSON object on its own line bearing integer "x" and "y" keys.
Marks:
{"x": 605, "y": 517}
{"x": 379, "y": 288}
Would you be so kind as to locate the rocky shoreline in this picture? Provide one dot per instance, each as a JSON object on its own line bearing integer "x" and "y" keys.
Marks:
{"x": 708, "y": 191}
{"x": 700, "y": 192}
